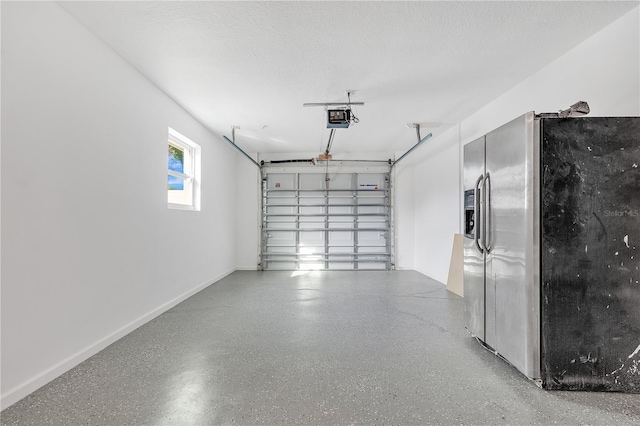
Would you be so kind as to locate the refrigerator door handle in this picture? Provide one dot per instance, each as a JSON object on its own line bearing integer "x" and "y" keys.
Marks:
{"x": 478, "y": 236}
{"x": 486, "y": 189}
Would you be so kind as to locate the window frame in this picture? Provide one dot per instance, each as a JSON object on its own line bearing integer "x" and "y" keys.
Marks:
{"x": 187, "y": 198}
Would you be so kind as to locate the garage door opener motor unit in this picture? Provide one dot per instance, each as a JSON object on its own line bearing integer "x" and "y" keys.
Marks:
{"x": 338, "y": 118}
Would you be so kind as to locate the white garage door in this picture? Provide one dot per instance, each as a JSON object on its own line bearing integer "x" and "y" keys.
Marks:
{"x": 312, "y": 224}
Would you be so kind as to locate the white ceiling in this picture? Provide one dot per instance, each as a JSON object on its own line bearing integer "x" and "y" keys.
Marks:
{"x": 253, "y": 64}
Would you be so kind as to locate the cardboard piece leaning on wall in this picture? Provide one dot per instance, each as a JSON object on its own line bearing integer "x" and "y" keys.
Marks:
{"x": 454, "y": 281}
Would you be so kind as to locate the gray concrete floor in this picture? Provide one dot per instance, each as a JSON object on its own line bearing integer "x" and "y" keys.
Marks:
{"x": 314, "y": 348}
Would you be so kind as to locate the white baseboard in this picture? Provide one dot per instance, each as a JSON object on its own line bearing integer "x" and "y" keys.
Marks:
{"x": 246, "y": 268}
{"x": 17, "y": 393}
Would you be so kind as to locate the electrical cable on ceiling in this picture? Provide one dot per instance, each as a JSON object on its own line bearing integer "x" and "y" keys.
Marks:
{"x": 311, "y": 160}
{"x": 356, "y": 161}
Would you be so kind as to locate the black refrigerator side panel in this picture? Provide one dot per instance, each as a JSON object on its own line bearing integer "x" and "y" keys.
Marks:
{"x": 590, "y": 301}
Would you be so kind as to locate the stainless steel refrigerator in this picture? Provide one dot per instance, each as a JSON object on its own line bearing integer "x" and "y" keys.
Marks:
{"x": 551, "y": 265}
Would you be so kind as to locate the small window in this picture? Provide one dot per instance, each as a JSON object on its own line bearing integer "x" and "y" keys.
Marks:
{"x": 183, "y": 186}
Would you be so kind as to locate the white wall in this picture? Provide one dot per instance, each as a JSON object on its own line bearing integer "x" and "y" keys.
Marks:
{"x": 604, "y": 70}
{"x": 89, "y": 249}
{"x": 247, "y": 213}
{"x": 435, "y": 202}
{"x": 404, "y": 211}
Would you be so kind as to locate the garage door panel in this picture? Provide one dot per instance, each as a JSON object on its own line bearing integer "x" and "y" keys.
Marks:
{"x": 341, "y": 181}
{"x": 281, "y": 181}
{"x": 282, "y": 266}
{"x": 311, "y": 181}
{"x": 337, "y": 238}
{"x": 342, "y": 250}
{"x": 312, "y": 239}
{"x": 372, "y": 249}
{"x": 372, "y": 265}
{"x": 312, "y": 224}
{"x": 339, "y": 266}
